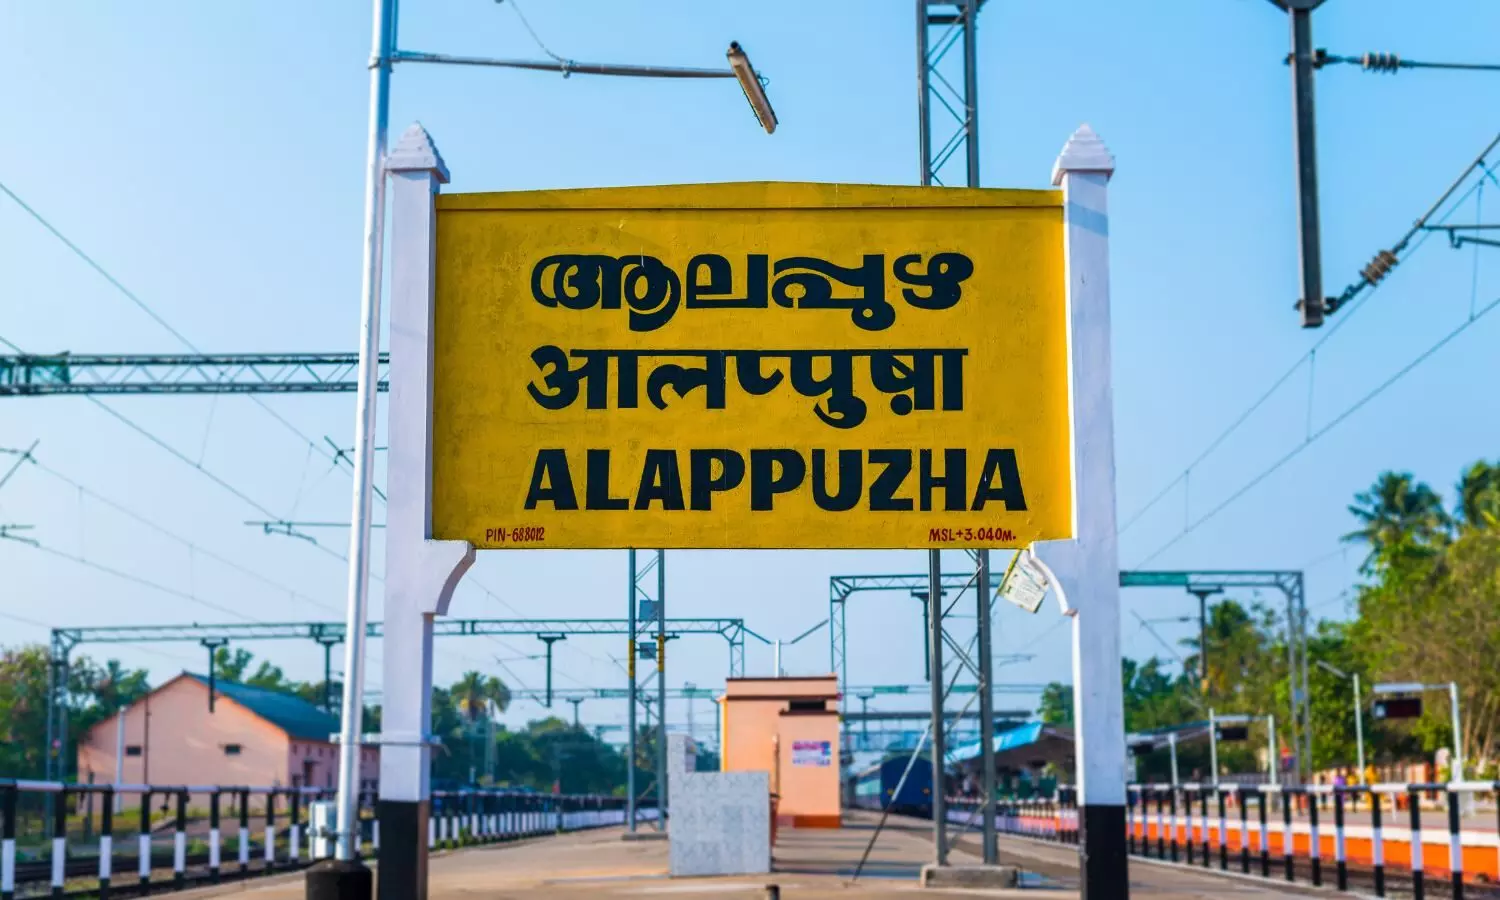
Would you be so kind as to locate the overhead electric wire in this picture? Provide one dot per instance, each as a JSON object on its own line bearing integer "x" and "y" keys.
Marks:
{"x": 1359, "y": 296}
{"x": 1329, "y": 426}
{"x": 188, "y": 461}
{"x": 137, "y": 579}
{"x": 1392, "y": 62}
{"x": 191, "y": 545}
{"x": 144, "y": 307}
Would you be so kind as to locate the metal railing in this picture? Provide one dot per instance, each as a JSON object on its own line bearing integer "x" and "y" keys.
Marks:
{"x": 66, "y": 840}
{"x": 1382, "y": 839}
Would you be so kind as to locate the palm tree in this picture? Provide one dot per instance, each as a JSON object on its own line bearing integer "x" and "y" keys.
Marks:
{"x": 1479, "y": 496}
{"x": 474, "y": 693}
{"x": 469, "y": 696}
{"x": 1398, "y": 514}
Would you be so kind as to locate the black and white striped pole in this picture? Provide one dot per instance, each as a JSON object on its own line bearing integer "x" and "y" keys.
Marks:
{"x": 1418, "y": 877}
{"x": 1377, "y": 843}
{"x": 1455, "y": 846}
{"x": 1340, "y": 854}
{"x": 143, "y": 845}
{"x": 106, "y": 841}
{"x": 244, "y": 849}
{"x": 59, "y": 841}
{"x": 8, "y": 796}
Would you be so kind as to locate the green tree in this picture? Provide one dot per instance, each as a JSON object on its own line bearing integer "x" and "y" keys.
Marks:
{"x": 1056, "y": 705}
{"x": 1399, "y": 516}
{"x": 1478, "y": 496}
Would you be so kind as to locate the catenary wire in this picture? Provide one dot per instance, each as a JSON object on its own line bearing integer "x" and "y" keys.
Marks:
{"x": 146, "y": 308}
{"x": 191, "y": 545}
{"x": 1276, "y": 385}
{"x": 1329, "y": 426}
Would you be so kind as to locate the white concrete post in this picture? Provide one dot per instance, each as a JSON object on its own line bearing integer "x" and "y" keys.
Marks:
{"x": 1090, "y": 562}
{"x": 421, "y": 574}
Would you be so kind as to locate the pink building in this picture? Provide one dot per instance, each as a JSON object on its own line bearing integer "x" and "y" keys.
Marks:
{"x": 254, "y": 737}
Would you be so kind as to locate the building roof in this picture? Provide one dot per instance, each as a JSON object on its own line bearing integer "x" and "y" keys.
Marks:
{"x": 290, "y": 713}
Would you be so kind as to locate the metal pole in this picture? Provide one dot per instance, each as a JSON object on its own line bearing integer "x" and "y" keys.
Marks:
{"x": 1457, "y": 772}
{"x": 1213, "y": 746}
{"x": 382, "y": 42}
{"x": 971, "y": 89}
{"x": 1271, "y": 731}
{"x": 1306, "y": 758}
{"x": 119, "y": 757}
{"x": 924, "y": 126}
{"x": 1203, "y": 643}
{"x": 47, "y": 754}
{"x": 986, "y": 699}
{"x": 631, "y": 701}
{"x": 939, "y": 737}
{"x": 1305, "y": 147}
{"x": 776, "y": 659}
{"x": 1291, "y": 672}
{"x": 661, "y": 689}
{"x": 328, "y": 675}
{"x": 1172, "y": 744}
{"x": 1359, "y": 729}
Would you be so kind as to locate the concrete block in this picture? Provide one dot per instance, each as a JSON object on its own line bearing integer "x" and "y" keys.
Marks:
{"x": 982, "y": 877}
{"x": 644, "y": 835}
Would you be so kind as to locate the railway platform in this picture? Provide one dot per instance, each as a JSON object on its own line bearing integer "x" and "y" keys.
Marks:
{"x": 810, "y": 864}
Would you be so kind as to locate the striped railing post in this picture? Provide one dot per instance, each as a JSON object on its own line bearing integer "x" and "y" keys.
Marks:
{"x": 1203, "y": 816}
{"x": 213, "y": 837}
{"x": 1418, "y": 879}
{"x": 270, "y": 848}
{"x": 1315, "y": 844}
{"x": 244, "y": 855}
{"x": 106, "y": 840}
{"x": 294, "y": 826}
{"x": 1340, "y": 858}
{"x": 1161, "y": 830}
{"x": 1172, "y": 809}
{"x": 1132, "y": 808}
{"x": 1455, "y": 846}
{"x": 1240, "y": 800}
{"x": 1265, "y": 843}
{"x": 1377, "y": 844}
{"x": 1223, "y": 831}
{"x": 1287, "y": 851}
{"x": 179, "y": 842}
{"x": 59, "y": 841}
{"x": 143, "y": 845}
{"x": 8, "y": 798}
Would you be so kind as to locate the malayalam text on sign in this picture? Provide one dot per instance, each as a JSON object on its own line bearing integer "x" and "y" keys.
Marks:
{"x": 751, "y": 365}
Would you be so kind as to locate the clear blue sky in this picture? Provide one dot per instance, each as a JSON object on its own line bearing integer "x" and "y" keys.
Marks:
{"x": 210, "y": 156}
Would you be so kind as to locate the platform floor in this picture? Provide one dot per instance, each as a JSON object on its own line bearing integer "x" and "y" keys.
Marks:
{"x": 811, "y": 864}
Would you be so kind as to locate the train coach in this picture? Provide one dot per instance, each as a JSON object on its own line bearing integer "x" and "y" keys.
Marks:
{"x": 875, "y": 788}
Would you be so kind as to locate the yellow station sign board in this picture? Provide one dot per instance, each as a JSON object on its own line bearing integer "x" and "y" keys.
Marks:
{"x": 751, "y": 366}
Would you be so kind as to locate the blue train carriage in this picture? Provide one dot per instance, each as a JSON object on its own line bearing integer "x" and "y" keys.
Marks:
{"x": 875, "y": 787}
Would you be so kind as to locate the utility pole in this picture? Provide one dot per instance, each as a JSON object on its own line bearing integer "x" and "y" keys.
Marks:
{"x": 549, "y": 640}
{"x": 1203, "y": 594}
{"x": 661, "y": 689}
{"x": 1304, "y": 144}
{"x": 577, "y": 702}
{"x": 212, "y": 646}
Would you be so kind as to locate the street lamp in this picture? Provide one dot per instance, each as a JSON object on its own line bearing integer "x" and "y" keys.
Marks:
{"x": 384, "y": 53}
{"x": 754, "y": 88}
{"x": 1214, "y": 721}
{"x": 1456, "y": 772}
{"x": 1359, "y": 726}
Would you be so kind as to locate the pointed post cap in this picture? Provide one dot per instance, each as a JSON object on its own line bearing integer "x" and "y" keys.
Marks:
{"x": 1083, "y": 152}
{"x": 416, "y": 152}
